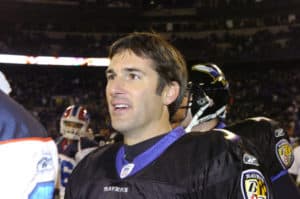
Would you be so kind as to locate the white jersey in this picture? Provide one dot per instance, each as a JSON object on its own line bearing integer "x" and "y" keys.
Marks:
{"x": 28, "y": 168}
{"x": 29, "y": 158}
{"x": 295, "y": 168}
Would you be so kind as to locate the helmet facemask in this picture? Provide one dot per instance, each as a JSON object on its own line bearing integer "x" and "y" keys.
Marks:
{"x": 199, "y": 103}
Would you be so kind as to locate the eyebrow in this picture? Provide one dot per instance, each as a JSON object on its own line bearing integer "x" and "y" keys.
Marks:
{"x": 133, "y": 70}
{"x": 128, "y": 69}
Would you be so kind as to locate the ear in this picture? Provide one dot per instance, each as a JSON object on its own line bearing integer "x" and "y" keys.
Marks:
{"x": 170, "y": 93}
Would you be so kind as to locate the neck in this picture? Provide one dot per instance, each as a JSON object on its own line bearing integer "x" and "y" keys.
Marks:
{"x": 157, "y": 126}
{"x": 147, "y": 131}
{"x": 206, "y": 126}
{"x": 143, "y": 134}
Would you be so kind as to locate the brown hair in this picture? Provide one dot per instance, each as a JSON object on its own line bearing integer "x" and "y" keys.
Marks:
{"x": 168, "y": 61}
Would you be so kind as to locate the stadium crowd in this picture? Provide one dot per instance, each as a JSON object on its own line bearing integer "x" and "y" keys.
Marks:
{"x": 225, "y": 44}
{"x": 261, "y": 88}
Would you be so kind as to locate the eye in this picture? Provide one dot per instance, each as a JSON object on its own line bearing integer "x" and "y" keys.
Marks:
{"x": 110, "y": 76}
{"x": 134, "y": 76}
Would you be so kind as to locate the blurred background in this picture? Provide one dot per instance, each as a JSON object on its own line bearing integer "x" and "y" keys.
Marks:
{"x": 255, "y": 42}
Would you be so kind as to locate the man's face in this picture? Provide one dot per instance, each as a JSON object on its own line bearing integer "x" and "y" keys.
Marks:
{"x": 133, "y": 103}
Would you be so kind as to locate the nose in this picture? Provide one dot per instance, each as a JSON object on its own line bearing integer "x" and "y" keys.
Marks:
{"x": 115, "y": 87}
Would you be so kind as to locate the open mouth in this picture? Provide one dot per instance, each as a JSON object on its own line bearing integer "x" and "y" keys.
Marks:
{"x": 120, "y": 107}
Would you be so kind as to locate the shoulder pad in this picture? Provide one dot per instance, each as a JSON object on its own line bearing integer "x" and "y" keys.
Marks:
{"x": 228, "y": 135}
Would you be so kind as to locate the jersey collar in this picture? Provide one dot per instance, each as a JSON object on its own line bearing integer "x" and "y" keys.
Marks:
{"x": 125, "y": 168}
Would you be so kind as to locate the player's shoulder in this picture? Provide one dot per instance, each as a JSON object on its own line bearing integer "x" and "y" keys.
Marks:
{"x": 18, "y": 122}
{"x": 225, "y": 147}
{"x": 259, "y": 126}
{"x": 215, "y": 135}
{"x": 270, "y": 143}
{"x": 206, "y": 137}
{"x": 215, "y": 142}
{"x": 255, "y": 122}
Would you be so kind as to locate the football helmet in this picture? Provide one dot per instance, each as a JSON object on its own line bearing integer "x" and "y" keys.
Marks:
{"x": 74, "y": 122}
{"x": 208, "y": 94}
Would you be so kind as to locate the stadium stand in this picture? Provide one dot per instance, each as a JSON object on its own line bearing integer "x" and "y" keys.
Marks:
{"x": 256, "y": 43}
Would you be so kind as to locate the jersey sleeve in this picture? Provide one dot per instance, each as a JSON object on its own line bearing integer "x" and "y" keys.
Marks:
{"x": 235, "y": 173}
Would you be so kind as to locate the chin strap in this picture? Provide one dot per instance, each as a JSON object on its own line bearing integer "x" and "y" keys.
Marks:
{"x": 196, "y": 120}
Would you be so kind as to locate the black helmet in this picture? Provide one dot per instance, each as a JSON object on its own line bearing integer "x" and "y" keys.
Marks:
{"x": 209, "y": 93}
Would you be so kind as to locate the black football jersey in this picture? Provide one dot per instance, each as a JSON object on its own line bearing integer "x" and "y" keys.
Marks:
{"x": 193, "y": 166}
{"x": 265, "y": 139}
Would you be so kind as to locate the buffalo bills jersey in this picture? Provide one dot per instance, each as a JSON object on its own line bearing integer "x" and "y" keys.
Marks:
{"x": 29, "y": 159}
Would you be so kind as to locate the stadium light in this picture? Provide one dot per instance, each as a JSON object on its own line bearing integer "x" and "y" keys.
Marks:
{"x": 50, "y": 60}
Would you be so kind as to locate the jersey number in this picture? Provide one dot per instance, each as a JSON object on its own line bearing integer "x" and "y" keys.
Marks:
{"x": 66, "y": 170}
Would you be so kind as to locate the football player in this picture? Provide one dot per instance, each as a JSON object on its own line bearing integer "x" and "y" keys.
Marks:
{"x": 75, "y": 142}
{"x": 209, "y": 99}
{"x": 29, "y": 159}
{"x": 146, "y": 81}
